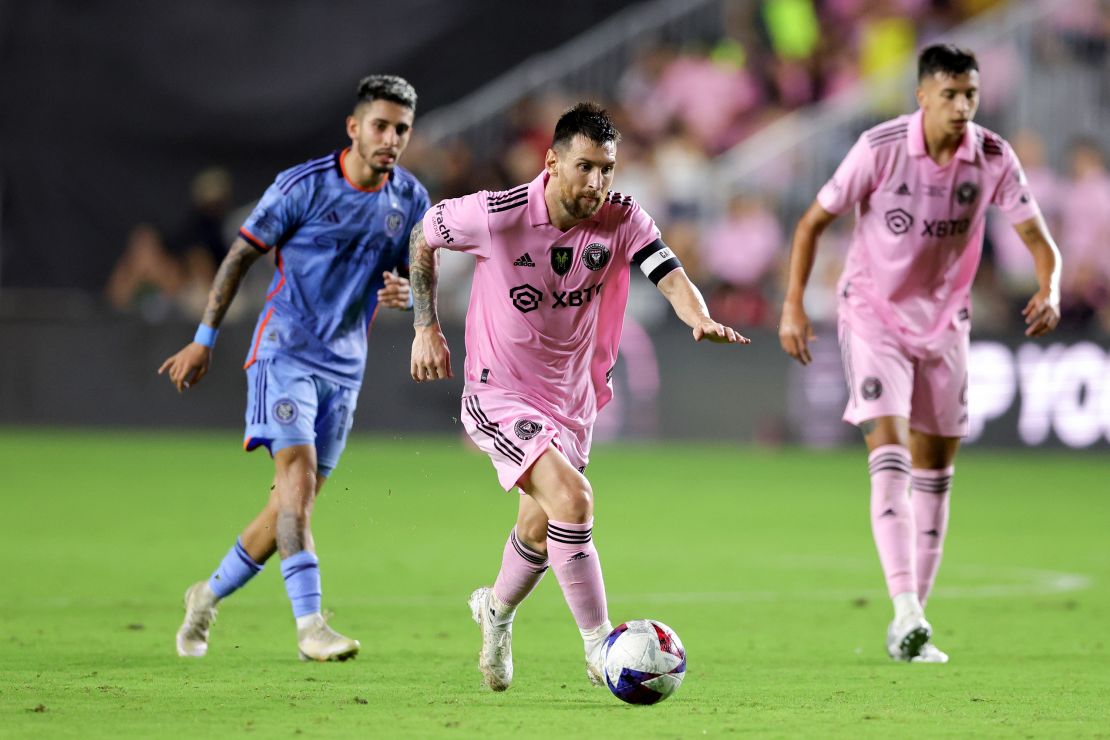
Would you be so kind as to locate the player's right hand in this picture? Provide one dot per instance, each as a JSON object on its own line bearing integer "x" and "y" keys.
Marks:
{"x": 795, "y": 332}
{"x": 188, "y": 366}
{"x": 431, "y": 359}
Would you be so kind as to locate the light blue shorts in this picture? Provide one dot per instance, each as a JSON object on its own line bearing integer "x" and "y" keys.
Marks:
{"x": 288, "y": 406}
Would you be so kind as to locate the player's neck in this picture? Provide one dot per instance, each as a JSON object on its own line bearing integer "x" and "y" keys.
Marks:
{"x": 359, "y": 173}
{"x": 556, "y": 214}
{"x": 941, "y": 146}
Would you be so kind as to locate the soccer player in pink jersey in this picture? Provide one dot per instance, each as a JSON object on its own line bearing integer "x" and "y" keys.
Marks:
{"x": 920, "y": 185}
{"x": 546, "y": 310}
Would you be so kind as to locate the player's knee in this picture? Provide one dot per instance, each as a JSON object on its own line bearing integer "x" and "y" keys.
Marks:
{"x": 576, "y": 503}
{"x": 296, "y": 476}
{"x": 296, "y": 494}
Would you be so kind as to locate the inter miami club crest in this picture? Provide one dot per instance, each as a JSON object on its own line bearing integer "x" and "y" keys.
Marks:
{"x": 966, "y": 193}
{"x": 596, "y": 256}
{"x": 285, "y": 411}
{"x": 871, "y": 389}
{"x": 526, "y": 428}
{"x": 393, "y": 222}
{"x": 561, "y": 259}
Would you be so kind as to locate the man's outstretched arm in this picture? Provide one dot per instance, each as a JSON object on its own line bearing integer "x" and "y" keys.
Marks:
{"x": 688, "y": 305}
{"x": 190, "y": 364}
{"x": 431, "y": 358}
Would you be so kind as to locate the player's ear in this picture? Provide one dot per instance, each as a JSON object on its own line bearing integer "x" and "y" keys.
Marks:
{"x": 352, "y": 127}
{"x": 920, "y": 95}
{"x": 551, "y": 162}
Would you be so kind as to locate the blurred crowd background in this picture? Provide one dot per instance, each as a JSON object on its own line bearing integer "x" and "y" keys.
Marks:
{"x": 733, "y": 113}
{"x": 689, "y": 97}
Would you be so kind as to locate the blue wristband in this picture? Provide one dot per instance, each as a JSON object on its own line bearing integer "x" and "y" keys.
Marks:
{"x": 206, "y": 335}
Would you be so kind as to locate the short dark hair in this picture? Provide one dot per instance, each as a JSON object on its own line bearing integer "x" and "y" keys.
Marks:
{"x": 386, "y": 87}
{"x": 947, "y": 59}
{"x": 588, "y": 119}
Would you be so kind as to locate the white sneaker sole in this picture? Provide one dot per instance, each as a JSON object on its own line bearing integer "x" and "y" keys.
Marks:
{"x": 911, "y": 643}
{"x": 931, "y": 654}
{"x": 349, "y": 654}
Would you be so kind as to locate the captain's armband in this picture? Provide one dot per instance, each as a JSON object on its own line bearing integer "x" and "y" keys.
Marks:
{"x": 656, "y": 261}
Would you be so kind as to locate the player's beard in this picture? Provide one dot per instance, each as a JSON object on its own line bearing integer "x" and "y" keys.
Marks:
{"x": 368, "y": 156}
{"x": 581, "y": 208}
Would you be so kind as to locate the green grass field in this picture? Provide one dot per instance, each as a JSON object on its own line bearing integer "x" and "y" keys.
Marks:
{"x": 760, "y": 559}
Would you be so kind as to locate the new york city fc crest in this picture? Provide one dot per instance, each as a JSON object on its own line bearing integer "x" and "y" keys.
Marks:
{"x": 394, "y": 220}
{"x": 285, "y": 411}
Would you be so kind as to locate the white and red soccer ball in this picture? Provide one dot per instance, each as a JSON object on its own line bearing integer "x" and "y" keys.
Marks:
{"x": 644, "y": 661}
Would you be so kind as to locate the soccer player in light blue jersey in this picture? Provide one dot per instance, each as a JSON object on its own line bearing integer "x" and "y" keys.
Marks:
{"x": 339, "y": 227}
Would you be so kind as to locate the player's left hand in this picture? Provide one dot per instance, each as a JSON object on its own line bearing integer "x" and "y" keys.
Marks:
{"x": 395, "y": 293}
{"x": 718, "y": 333}
{"x": 1042, "y": 313}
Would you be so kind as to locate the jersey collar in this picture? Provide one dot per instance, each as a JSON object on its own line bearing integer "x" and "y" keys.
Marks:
{"x": 915, "y": 143}
{"x": 537, "y": 206}
{"x": 339, "y": 157}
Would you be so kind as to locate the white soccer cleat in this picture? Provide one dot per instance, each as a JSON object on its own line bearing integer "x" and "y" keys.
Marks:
{"x": 317, "y": 641}
{"x": 595, "y": 654}
{"x": 495, "y": 659}
{"x": 930, "y": 653}
{"x": 595, "y": 664}
{"x": 200, "y": 613}
{"x": 905, "y": 638}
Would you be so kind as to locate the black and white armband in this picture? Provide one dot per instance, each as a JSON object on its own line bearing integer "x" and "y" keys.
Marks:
{"x": 656, "y": 260}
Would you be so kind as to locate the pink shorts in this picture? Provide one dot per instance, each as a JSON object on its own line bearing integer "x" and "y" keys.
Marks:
{"x": 514, "y": 433}
{"x": 884, "y": 379}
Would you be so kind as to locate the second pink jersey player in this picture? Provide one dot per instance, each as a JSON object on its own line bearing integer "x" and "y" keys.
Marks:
{"x": 546, "y": 309}
{"x": 920, "y": 185}
{"x": 919, "y": 228}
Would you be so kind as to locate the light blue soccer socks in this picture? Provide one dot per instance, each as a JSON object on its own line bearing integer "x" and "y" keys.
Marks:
{"x": 234, "y": 571}
{"x": 302, "y": 582}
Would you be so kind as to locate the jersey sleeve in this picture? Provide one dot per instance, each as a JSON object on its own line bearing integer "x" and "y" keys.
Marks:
{"x": 275, "y": 217}
{"x": 1013, "y": 196}
{"x": 854, "y": 179}
{"x": 646, "y": 247}
{"x": 459, "y": 224}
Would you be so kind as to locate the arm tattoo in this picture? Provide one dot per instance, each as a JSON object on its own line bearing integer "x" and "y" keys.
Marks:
{"x": 226, "y": 283}
{"x": 423, "y": 278}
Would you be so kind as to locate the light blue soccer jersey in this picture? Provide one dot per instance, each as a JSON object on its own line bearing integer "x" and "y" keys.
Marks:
{"x": 333, "y": 240}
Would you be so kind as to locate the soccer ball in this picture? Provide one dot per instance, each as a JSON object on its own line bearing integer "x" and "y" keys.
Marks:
{"x": 644, "y": 661}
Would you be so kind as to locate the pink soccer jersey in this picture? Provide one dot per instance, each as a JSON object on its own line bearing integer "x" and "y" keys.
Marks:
{"x": 547, "y": 306}
{"x": 919, "y": 226}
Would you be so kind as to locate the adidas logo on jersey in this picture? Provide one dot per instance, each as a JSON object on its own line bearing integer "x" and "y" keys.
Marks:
{"x": 524, "y": 260}
{"x": 904, "y": 190}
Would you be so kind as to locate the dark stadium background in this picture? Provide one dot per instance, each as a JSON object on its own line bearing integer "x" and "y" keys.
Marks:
{"x": 108, "y": 110}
